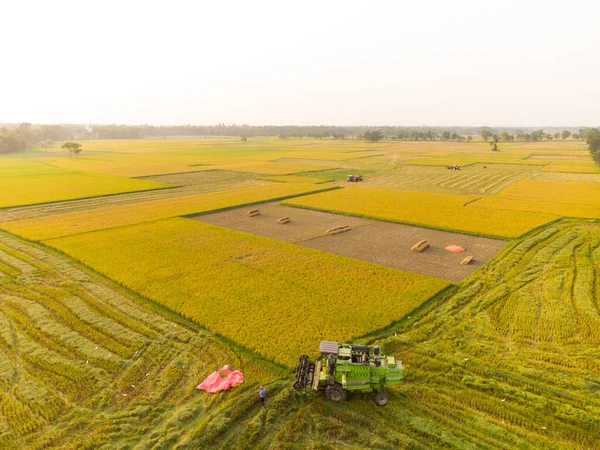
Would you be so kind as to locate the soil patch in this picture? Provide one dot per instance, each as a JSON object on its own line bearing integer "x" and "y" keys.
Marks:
{"x": 383, "y": 243}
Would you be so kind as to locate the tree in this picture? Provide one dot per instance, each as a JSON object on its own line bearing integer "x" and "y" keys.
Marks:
{"x": 25, "y": 133}
{"x": 11, "y": 144}
{"x": 469, "y": 138}
{"x": 556, "y": 135}
{"x": 74, "y": 148}
{"x": 401, "y": 135}
{"x": 592, "y": 138}
{"x": 537, "y": 135}
{"x": 244, "y": 139}
{"x": 576, "y": 136}
{"x": 446, "y": 136}
{"x": 373, "y": 135}
{"x": 413, "y": 135}
{"x": 485, "y": 135}
{"x": 494, "y": 144}
{"x": 565, "y": 134}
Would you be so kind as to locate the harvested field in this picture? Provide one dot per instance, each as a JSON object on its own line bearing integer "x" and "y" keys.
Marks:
{"x": 386, "y": 244}
{"x": 483, "y": 179}
{"x": 73, "y": 345}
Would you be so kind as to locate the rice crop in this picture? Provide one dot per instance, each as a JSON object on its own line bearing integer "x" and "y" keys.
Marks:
{"x": 274, "y": 298}
{"x": 445, "y": 211}
{"x": 86, "y": 365}
{"x": 572, "y": 167}
{"x": 42, "y": 228}
{"x": 565, "y": 199}
{"x": 52, "y": 187}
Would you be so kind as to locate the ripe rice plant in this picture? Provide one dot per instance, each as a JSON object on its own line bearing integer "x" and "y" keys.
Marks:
{"x": 445, "y": 211}
{"x": 80, "y": 222}
{"x": 274, "y": 298}
{"x": 566, "y": 199}
{"x": 574, "y": 167}
{"x": 31, "y": 189}
{"x": 61, "y": 384}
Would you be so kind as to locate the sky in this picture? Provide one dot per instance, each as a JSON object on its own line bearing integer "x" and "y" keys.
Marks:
{"x": 437, "y": 63}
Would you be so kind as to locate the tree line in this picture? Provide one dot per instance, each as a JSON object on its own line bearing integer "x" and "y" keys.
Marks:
{"x": 14, "y": 138}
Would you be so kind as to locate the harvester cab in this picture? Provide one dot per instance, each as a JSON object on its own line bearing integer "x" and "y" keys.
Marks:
{"x": 356, "y": 368}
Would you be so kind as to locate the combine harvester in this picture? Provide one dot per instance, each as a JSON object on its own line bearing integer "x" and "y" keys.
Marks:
{"x": 357, "y": 369}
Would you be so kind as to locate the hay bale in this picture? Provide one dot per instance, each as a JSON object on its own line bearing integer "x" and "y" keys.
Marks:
{"x": 420, "y": 246}
{"x": 467, "y": 260}
{"x": 337, "y": 230}
{"x": 253, "y": 212}
{"x": 284, "y": 220}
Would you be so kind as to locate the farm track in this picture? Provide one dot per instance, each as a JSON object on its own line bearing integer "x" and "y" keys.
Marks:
{"x": 189, "y": 184}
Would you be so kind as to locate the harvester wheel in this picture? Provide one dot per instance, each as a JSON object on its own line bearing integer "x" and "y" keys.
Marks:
{"x": 335, "y": 393}
{"x": 381, "y": 398}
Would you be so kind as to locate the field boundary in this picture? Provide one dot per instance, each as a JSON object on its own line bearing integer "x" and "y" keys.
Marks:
{"x": 414, "y": 315}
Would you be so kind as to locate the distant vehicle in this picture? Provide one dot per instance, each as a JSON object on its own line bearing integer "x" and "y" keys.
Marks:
{"x": 354, "y": 178}
{"x": 357, "y": 369}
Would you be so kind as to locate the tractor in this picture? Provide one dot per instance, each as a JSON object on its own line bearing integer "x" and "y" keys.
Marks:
{"x": 354, "y": 178}
{"x": 356, "y": 368}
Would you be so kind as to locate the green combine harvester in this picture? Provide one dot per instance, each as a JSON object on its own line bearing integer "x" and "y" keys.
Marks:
{"x": 356, "y": 368}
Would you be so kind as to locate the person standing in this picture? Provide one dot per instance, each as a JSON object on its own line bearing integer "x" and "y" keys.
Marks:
{"x": 331, "y": 364}
{"x": 262, "y": 394}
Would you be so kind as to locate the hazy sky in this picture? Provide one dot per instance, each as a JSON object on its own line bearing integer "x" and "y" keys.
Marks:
{"x": 324, "y": 62}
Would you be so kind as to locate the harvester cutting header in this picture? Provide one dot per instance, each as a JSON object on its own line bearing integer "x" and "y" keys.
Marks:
{"x": 348, "y": 368}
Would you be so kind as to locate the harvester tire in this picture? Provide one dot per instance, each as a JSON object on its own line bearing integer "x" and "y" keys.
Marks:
{"x": 382, "y": 397}
{"x": 335, "y": 393}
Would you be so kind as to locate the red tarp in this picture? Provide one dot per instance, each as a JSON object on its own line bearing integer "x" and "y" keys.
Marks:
{"x": 221, "y": 380}
{"x": 454, "y": 248}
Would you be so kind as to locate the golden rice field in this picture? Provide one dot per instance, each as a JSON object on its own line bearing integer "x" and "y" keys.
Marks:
{"x": 52, "y": 187}
{"x": 501, "y": 362}
{"x": 85, "y": 364}
{"x": 116, "y": 216}
{"x": 507, "y": 359}
{"x": 274, "y": 298}
{"x": 566, "y": 199}
{"x": 572, "y": 167}
{"x": 189, "y": 183}
{"x": 461, "y": 213}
